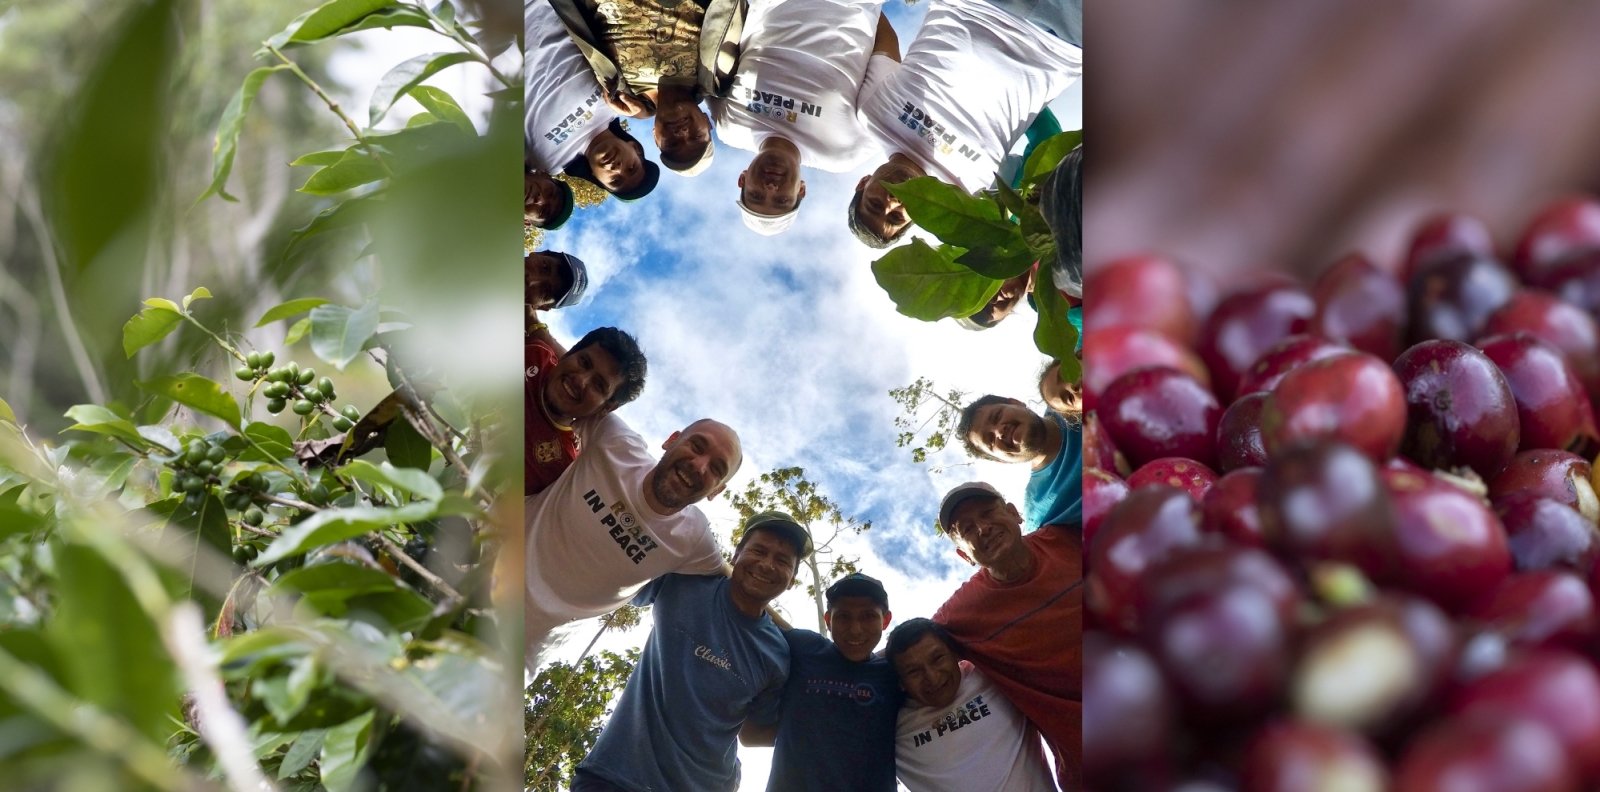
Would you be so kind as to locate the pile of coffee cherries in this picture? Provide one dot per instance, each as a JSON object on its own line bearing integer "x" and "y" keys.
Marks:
{"x": 1344, "y": 536}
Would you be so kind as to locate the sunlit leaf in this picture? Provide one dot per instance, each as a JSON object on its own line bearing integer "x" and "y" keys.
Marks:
{"x": 927, "y": 284}
{"x": 1054, "y": 334}
{"x": 408, "y": 75}
{"x": 411, "y": 480}
{"x": 353, "y": 169}
{"x": 328, "y": 19}
{"x": 1048, "y": 154}
{"x": 147, "y": 327}
{"x": 339, "y": 333}
{"x": 949, "y": 213}
{"x": 297, "y": 331}
{"x": 318, "y": 158}
{"x": 288, "y": 309}
{"x": 97, "y": 419}
{"x": 443, "y": 106}
{"x": 5, "y": 412}
{"x": 1000, "y": 263}
{"x": 269, "y": 443}
{"x": 200, "y": 293}
{"x": 193, "y": 390}
{"x": 336, "y": 525}
{"x": 228, "y": 129}
{"x": 345, "y": 750}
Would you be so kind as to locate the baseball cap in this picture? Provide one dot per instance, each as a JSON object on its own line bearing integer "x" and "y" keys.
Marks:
{"x": 652, "y": 176}
{"x": 580, "y": 280}
{"x": 968, "y": 323}
{"x": 856, "y": 584}
{"x": 781, "y": 523}
{"x": 567, "y": 204}
{"x": 767, "y": 225}
{"x": 690, "y": 167}
{"x": 960, "y": 495}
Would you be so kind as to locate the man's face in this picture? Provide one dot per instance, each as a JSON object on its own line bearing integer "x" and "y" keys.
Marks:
{"x": 929, "y": 671}
{"x": 1060, "y": 396}
{"x": 582, "y": 382}
{"x": 680, "y": 128}
{"x": 857, "y": 625}
{"x": 615, "y": 162}
{"x": 1009, "y": 431}
{"x": 985, "y": 529}
{"x": 696, "y": 464}
{"x": 771, "y": 185}
{"x": 765, "y": 566}
{"x": 880, "y": 211}
{"x": 1006, "y": 300}
{"x": 546, "y": 279}
{"x": 541, "y": 198}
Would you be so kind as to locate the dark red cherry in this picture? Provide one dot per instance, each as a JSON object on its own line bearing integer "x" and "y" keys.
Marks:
{"x": 1183, "y": 473}
{"x": 1496, "y": 753}
{"x": 1553, "y": 409}
{"x": 1246, "y": 324}
{"x": 1140, "y": 291}
{"x": 1446, "y": 236}
{"x": 1295, "y": 756}
{"x": 1352, "y": 397}
{"x": 1459, "y": 408}
{"x": 1451, "y": 547}
{"x": 1160, "y": 412}
{"x": 1239, "y": 434}
{"x": 1292, "y": 352}
{"x": 1324, "y": 500}
{"x": 1558, "y": 475}
{"x": 1115, "y": 351}
{"x": 1229, "y": 508}
{"x": 1452, "y": 298}
{"x": 1544, "y": 534}
{"x": 1560, "y": 229}
{"x": 1360, "y": 305}
{"x": 1563, "y": 325}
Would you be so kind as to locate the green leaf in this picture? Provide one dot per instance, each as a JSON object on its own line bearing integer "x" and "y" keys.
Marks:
{"x": 97, "y": 419}
{"x": 110, "y": 650}
{"x": 1054, "y": 335}
{"x": 147, "y": 327}
{"x": 407, "y": 75}
{"x": 346, "y": 213}
{"x": 443, "y": 106}
{"x": 318, "y": 158}
{"x": 297, "y": 331}
{"x": 200, "y": 293}
{"x": 411, "y": 480}
{"x": 5, "y": 412}
{"x": 207, "y": 524}
{"x": 290, "y": 308}
{"x": 16, "y": 520}
{"x": 353, "y": 169}
{"x": 999, "y": 263}
{"x": 270, "y": 443}
{"x": 1010, "y": 199}
{"x": 928, "y": 284}
{"x": 345, "y": 750}
{"x": 445, "y": 11}
{"x": 300, "y": 754}
{"x": 407, "y": 447}
{"x": 162, "y": 302}
{"x": 197, "y": 392}
{"x": 329, "y": 19}
{"x": 1048, "y": 154}
{"x": 228, "y": 129}
{"x": 336, "y": 525}
{"x": 339, "y": 333}
{"x": 269, "y": 641}
{"x": 337, "y": 580}
{"x": 953, "y": 216}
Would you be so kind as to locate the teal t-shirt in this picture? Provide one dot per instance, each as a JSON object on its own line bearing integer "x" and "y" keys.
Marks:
{"x": 1055, "y": 492}
{"x": 705, "y": 668}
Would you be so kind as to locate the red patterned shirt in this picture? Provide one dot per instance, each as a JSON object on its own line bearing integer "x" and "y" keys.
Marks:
{"x": 547, "y": 449}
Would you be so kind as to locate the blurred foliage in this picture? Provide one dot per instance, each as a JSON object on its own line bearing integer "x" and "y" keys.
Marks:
{"x": 566, "y": 707}
{"x": 216, "y": 571}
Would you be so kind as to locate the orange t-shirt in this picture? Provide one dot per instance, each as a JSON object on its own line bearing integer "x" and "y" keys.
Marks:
{"x": 1028, "y": 637}
{"x": 547, "y": 449}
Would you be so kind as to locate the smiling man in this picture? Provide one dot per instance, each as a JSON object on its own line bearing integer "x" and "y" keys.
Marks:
{"x": 617, "y": 519}
{"x": 957, "y": 726}
{"x": 836, "y": 726}
{"x": 714, "y": 659}
{"x": 793, "y": 101}
{"x": 547, "y": 202}
{"x": 1019, "y": 618}
{"x": 602, "y": 372}
{"x": 1005, "y": 430}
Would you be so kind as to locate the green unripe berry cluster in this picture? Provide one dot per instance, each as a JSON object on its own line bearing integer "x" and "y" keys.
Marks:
{"x": 196, "y": 469}
{"x": 256, "y": 366}
{"x": 291, "y": 387}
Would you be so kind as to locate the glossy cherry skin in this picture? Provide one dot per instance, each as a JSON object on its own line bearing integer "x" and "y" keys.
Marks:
{"x": 1293, "y": 756}
{"x": 1498, "y": 754}
{"x": 1360, "y": 305}
{"x": 1559, "y": 229}
{"x": 1563, "y": 325}
{"x": 1459, "y": 408}
{"x": 1211, "y": 565}
{"x": 1553, "y": 408}
{"x": 1290, "y": 353}
{"x": 1239, "y": 441}
{"x": 1185, "y": 474}
{"x": 1114, "y": 351}
{"x": 1128, "y": 712}
{"x": 1544, "y": 533}
{"x": 1324, "y": 500}
{"x": 1147, "y": 525}
{"x": 1575, "y": 279}
{"x": 1446, "y": 236}
{"x": 1101, "y": 491}
{"x": 1450, "y": 546}
{"x": 1098, "y": 450}
{"x": 1546, "y": 607}
{"x": 1246, "y": 324}
{"x": 1225, "y": 651}
{"x": 1160, "y": 412}
{"x": 1452, "y": 298}
{"x": 1555, "y": 688}
{"x": 1229, "y": 508}
{"x": 1353, "y": 397}
{"x": 1559, "y": 475}
{"x": 1140, "y": 291}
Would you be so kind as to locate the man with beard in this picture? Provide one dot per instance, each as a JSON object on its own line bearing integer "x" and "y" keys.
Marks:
{"x": 547, "y": 202}
{"x": 1019, "y": 618}
{"x": 714, "y": 659}
{"x": 793, "y": 101}
{"x": 602, "y": 372}
{"x": 963, "y": 93}
{"x": 957, "y": 724}
{"x": 1005, "y": 430}
{"x": 617, "y": 519}
{"x": 569, "y": 124}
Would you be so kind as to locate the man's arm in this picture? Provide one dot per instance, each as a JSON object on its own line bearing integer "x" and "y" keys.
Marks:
{"x": 758, "y": 735}
{"x": 887, "y": 41}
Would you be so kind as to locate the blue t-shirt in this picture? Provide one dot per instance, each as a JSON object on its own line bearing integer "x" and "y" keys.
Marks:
{"x": 705, "y": 669}
{"x": 1055, "y": 492}
{"x": 837, "y": 727}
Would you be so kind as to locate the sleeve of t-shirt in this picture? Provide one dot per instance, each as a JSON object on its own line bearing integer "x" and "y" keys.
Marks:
{"x": 707, "y": 557}
{"x": 882, "y": 71}
{"x": 768, "y": 704}
{"x": 647, "y": 595}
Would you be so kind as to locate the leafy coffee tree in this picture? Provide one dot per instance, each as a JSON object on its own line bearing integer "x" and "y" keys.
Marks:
{"x": 985, "y": 239}
{"x": 261, "y": 571}
{"x": 943, "y": 412}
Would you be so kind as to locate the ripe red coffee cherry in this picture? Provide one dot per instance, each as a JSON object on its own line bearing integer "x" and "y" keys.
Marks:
{"x": 1545, "y": 534}
{"x": 1190, "y": 571}
{"x": 1139, "y": 291}
{"x": 1446, "y": 236}
{"x": 1545, "y": 607}
{"x": 1452, "y": 298}
{"x": 1360, "y": 305}
{"x": 1098, "y": 452}
{"x": 1565, "y": 327}
{"x": 1246, "y": 324}
{"x": 1115, "y": 351}
{"x": 1575, "y": 279}
{"x": 1558, "y": 475}
{"x": 1459, "y": 408}
{"x": 1451, "y": 548}
{"x": 1290, "y": 353}
{"x": 1128, "y": 713}
{"x": 1555, "y": 688}
{"x": 1560, "y": 229}
{"x": 1352, "y": 397}
{"x": 1497, "y": 753}
{"x": 1101, "y": 491}
{"x": 1150, "y": 523}
{"x": 1229, "y": 508}
{"x": 1225, "y": 651}
{"x": 1553, "y": 409}
{"x": 1185, "y": 474}
{"x": 1160, "y": 412}
{"x": 1293, "y": 756}
{"x": 1324, "y": 500}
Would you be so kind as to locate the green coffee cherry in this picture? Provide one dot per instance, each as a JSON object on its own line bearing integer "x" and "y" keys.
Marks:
{"x": 246, "y": 374}
{"x": 205, "y": 467}
{"x": 276, "y": 375}
{"x": 316, "y": 396}
{"x": 216, "y": 454}
{"x": 325, "y": 385}
{"x": 303, "y": 407}
{"x": 241, "y": 554}
{"x": 293, "y": 371}
{"x": 253, "y": 516}
{"x": 317, "y": 494}
{"x": 275, "y": 406}
{"x": 253, "y": 360}
{"x": 352, "y": 413}
{"x": 307, "y": 377}
{"x": 342, "y": 424}
{"x": 266, "y": 358}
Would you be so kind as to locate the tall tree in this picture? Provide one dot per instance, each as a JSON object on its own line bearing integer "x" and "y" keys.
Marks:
{"x": 567, "y": 704}
{"x": 788, "y": 490}
{"x": 923, "y": 405}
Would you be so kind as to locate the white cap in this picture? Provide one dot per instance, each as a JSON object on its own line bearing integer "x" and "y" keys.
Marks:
{"x": 767, "y": 225}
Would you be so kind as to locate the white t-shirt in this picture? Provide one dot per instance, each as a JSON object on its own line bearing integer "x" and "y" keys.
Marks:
{"x": 980, "y": 743}
{"x": 968, "y": 86}
{"x": 800, "y": 67}
{"x": 593, "y": 542}
{"x": 565, "y": 107}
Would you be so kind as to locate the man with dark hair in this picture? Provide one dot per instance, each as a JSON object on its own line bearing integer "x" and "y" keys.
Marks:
{"x": 602, "y": 372}
{"x": 569, "y": 124}
{"x": 547, "y": 202}
{"x": 1002, "y": 304}
{"x": 553, "y": 280}
{"x": 957, "y": 725}
{"x": 836, "y": 726}
{"x": 714, "y": 660}
{"x": 1005, "y": 430}
{"x": 963, "y": 93}
{"x": 617, "y": 519}
{"x": 1019, "y": 618}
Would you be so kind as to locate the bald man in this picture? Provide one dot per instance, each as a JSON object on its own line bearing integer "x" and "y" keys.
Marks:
{"x": 617, "y": 519}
